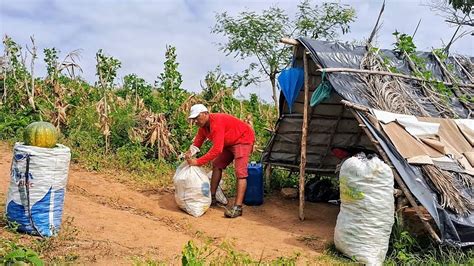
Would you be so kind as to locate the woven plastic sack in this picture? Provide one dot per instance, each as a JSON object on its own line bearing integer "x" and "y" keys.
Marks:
{"x": 220, "y": 196}
{"x": 38, "y": 181}
{"x": 366, "y": 215}
{"x": 192, "y": 189}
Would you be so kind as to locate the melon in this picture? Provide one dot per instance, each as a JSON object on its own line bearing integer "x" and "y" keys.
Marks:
{"x": 40, "y": 134}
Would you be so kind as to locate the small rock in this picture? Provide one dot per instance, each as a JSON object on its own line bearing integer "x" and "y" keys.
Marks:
{"x": 289, "y": 193}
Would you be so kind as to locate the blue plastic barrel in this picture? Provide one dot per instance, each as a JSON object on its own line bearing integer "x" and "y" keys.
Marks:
{"x": 254, "y": 192}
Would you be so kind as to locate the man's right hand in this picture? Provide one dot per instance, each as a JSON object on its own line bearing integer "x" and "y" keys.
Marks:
{"x": 187, "y": 155}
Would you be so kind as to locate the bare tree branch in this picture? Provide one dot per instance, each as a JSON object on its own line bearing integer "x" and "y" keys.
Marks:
{"x": 376, "y": 27}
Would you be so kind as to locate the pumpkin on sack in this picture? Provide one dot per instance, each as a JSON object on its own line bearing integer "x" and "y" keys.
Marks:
{"x": 40, "y": 134}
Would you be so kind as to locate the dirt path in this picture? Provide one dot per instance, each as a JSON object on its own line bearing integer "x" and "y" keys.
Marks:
{"x": 116, "y": 223}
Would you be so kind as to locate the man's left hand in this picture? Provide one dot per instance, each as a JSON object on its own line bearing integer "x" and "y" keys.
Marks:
{"x": 192, "y": 162}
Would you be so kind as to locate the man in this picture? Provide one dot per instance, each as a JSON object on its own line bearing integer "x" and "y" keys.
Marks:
{"x": 232, "y": 140}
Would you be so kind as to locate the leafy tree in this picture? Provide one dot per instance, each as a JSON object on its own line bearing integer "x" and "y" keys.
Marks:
{"x": 169, "y": 83}
{"x": 106, "y": 68}
{"x": 138, "y": 88}
{"x": 172, "y": 97}
{"x": 457, "y": 13}
{"x": 464, "y": 5}
{"x": 257, "y": 35}
{"x": 51, "y": 59}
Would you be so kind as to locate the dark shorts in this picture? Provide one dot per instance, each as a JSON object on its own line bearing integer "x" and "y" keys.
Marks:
{"x": 240, "y": 154}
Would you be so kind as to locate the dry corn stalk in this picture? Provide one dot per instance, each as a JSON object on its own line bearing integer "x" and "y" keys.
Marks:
{"x": 153, "y": 131}
{"x": 217, "y": 102}
{"x": 58, "y": 116}
{"x": 103, "y": 109}
{"x": 249, "y": 120}
{"x": 385, "y": 92}
{"x": 186, "y": 106}
{"x": 445, "y": 185}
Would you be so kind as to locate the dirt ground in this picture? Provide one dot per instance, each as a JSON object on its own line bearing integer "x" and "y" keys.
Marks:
{"x": 115, "y": 223}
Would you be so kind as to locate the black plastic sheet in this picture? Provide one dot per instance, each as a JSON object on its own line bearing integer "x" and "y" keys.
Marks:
{"x": 339, "y": 55}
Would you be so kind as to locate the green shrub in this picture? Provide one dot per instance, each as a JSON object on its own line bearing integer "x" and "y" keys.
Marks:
{"x": 12, "y": 253}
{"x": 405, "y": 249}
{"x": 123, "y": 119}
{"x": 13, "y": 124}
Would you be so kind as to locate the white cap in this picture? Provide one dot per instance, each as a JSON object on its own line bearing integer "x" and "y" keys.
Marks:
{"x": 196, "y": 110}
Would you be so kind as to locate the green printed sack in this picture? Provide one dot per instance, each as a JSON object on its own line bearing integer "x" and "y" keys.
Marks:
{"x": 366, "y": 217}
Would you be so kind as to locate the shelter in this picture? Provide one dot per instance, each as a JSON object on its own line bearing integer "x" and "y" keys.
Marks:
{"x": 363, "y": 81}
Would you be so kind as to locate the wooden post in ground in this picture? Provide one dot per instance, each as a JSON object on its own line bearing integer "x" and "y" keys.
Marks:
{"x": 268, "y": 174}
{"x": 304, "y": 135}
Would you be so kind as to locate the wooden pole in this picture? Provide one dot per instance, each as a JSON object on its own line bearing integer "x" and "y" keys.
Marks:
{"x": 398, "y": 179}
{"x": 304, "y": 135}
{"x": 385, "y": 73}
{"x": 268, "y": 174}
{"x": 289, "y": 41}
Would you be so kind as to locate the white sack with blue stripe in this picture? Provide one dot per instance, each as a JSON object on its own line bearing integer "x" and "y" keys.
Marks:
{"x": 35, "y": 200}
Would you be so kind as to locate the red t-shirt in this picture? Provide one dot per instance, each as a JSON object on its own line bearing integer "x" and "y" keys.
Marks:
{"x": 225, "y": 130}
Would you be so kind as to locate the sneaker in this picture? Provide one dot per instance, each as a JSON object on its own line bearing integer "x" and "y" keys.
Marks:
{"x": 233, "y": 212}
{"x": 216, "y": 203}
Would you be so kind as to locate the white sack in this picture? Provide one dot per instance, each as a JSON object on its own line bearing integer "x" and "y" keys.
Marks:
{"x": 220, "y": 196}
{"x": 192, "y": 189}
{"x": 366, "y": 216}
{"x": 37, "y": 205}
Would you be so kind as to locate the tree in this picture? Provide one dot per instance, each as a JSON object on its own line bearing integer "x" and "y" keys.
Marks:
{"x": 173, "y": 98}
{"x": 257, "y": 35}
{"x": 137, "y": 87}
{"x": 169, "y": 83}
{"x": 457, "y": 13}
{"x": 464, "y": 5}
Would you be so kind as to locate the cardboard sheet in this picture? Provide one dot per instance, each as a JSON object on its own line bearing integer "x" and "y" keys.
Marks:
{"x": 406, "y": 144}
{"x": 466, "y": 130}
{"x": 448, "y": 142}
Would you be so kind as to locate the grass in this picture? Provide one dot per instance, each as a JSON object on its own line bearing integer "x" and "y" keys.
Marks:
{"x": 405, "y": 249}
{"x": 226, "y": 254}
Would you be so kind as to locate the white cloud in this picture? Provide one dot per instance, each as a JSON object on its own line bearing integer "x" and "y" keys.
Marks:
{"x": 137, "y": 32}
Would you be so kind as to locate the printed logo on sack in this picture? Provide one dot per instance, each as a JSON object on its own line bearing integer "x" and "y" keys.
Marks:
{"x": 20, "y": 157}
{"x": 205, "y": 189}
{"x": 348, "y": 193}
{"x": 19, "y": 177}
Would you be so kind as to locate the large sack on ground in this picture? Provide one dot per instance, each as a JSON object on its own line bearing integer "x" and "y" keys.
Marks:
{"x": 192, "y": 189}
{"x": 366, "y": 217}
{"x": 220, "y": 196}
{"x": 38, "y": 180}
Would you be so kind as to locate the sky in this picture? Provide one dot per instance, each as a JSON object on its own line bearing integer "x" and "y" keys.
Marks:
{"x": 137, "y": 31}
